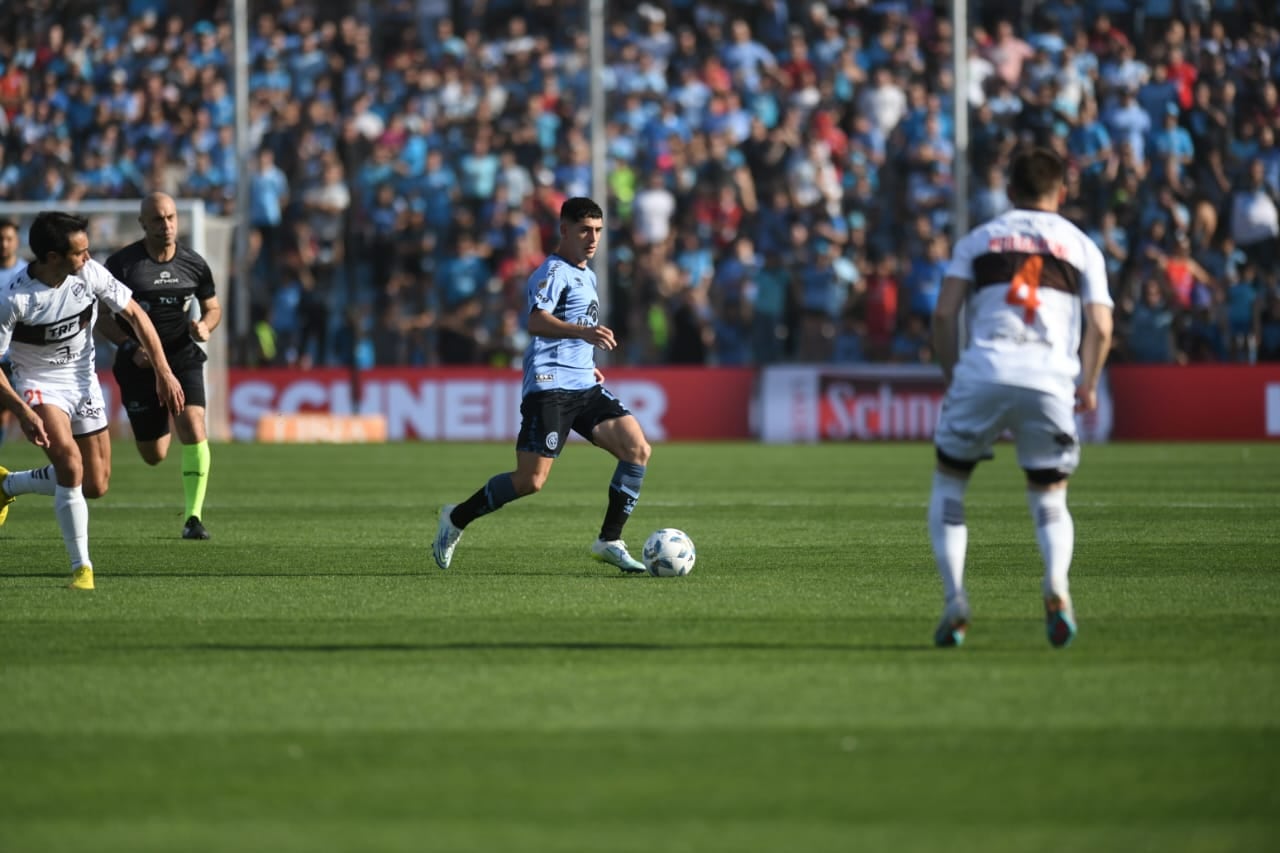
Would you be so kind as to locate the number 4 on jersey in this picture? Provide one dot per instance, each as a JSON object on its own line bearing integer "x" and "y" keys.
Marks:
{"x": 1024, "y": 290}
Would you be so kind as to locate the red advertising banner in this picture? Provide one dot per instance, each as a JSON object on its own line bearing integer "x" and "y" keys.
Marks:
{"x": 1196, "y": 402}
{"x": 482, "y": 404}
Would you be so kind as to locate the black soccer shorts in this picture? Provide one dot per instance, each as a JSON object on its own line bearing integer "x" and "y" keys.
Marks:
{"x": 547, "y": 416}
{"x": 147, "y": 415}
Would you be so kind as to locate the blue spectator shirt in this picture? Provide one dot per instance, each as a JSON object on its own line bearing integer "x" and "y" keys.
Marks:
{"x": 1149, "y": 334}
{"x": 437, "y": 195}
{"x": 479, "y": 175}
{"x": 568, "y": 293}
{"x": 1120, "y": 237}
{"x": 697, "y": 263}
{"x": 771, "y": 291}
{"x": 1242, "y": 297}
{"x": 1089, "y": 141}
{"x": 460, "y": 278}
{"x": 1271, "y": 167}
{"x": 1155, "y": 98}
{"x": 1175, "y": 143}
{"x": 745, "y": 59}
{"x": 1130, "y": 124}
{"x": 924, "y": 283}
{"x": 266, "y": 191}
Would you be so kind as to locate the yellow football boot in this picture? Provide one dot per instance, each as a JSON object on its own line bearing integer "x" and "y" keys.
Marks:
{"x": 82, "y": 578}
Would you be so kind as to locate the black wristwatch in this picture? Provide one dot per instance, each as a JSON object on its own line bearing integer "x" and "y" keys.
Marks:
{"x": 127, "y": 347}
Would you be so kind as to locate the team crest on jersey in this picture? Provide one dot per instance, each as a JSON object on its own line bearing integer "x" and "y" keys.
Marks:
{"x": 553, "y": 441}
{"x": 165, "y": 279}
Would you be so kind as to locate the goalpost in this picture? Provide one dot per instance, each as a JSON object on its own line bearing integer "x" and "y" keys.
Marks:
{"x": 113, "y": 224}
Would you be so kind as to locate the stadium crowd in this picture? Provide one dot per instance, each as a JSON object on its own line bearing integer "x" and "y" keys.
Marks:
{"x": 780, "y": 173}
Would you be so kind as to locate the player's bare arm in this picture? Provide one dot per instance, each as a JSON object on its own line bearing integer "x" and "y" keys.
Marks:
{"x": 1093, "y": 354}
{"x": 167, "y": 386}
{"x": 546, "y": 325}
{"x": 210, "y": 316}
{"x": 108, "y": 328}
{"x": 31, "y": 422}
{"x": 946, "y": 318}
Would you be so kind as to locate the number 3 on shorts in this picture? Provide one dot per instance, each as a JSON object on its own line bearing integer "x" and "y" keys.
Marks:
{"x": 1024, "y": 290}
{"x": 33, "y": 396}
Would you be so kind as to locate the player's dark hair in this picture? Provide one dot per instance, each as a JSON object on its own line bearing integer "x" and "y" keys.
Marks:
{"x": 580, "y": 208}
{"x": 51, "y": 232}
{"x": 1035, "y": 174}
{"x": 8, "y": 223}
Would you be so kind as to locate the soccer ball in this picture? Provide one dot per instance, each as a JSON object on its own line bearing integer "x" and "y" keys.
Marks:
{"x": 668, "y": 553}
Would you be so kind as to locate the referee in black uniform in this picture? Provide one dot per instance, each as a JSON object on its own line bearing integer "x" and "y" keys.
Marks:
{"x": 165, "y": 276}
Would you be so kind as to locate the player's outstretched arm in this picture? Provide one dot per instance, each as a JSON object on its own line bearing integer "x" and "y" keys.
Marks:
{"x": 32, "y": 423}
{"x": 167, "y": 386}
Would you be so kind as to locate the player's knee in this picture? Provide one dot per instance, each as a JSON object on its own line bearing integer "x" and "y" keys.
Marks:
{"x": 639, "y": 453}
{"x": 95, "y": 488}
{"x": 962, "y": 467}
{"x": 1046, "y": 477}
{"x": 152, "y": 457}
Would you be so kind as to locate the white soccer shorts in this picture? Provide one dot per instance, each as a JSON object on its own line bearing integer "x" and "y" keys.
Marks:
{"x": 973, "y": 416}
{"x": 81, "y": 398}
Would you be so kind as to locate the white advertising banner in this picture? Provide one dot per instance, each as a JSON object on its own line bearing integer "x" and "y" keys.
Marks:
{"x": 811, "y": 403}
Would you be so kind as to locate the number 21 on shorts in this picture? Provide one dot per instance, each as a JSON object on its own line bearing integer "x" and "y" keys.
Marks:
{"x": 1024, "y": 290}
{"x": 33, "y": 396}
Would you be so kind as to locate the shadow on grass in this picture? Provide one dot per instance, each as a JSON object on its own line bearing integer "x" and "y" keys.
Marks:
{"x": 424, "y": 572}
{"x": 332, "y": 648}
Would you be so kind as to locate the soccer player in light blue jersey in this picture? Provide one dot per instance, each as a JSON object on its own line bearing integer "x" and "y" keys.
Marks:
{"x": 10, "y": 266}
{"x": 563, "y": 390}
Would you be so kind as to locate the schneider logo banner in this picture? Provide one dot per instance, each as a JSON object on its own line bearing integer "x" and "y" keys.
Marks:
{"x": 811, "y": 403}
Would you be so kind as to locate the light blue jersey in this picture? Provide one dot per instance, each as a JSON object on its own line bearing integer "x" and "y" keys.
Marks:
{"x": 8, "y": 274}
{"x": 568, "y": 293}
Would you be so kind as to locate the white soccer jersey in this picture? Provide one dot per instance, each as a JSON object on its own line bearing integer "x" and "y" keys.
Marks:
{"x": 1030, "y": 273}
{"x": 47, "y": 328}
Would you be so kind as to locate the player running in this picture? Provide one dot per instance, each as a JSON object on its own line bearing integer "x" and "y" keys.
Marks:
{"x": 1027, "y": 281}
{"x": 46, "y": 325}
{"x": 564, "y": 390}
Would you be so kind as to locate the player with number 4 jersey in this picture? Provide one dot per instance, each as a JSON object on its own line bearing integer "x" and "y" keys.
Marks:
{"x": 1027, "y": 282}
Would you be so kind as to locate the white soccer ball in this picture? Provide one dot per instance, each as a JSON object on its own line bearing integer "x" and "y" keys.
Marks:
{"x": 668, "y": 553}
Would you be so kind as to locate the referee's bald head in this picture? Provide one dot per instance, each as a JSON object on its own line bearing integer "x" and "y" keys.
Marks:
{"x": 152, "y": 202}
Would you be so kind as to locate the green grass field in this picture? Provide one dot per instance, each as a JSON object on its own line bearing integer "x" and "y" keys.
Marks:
{"x": 309, "y": 681}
